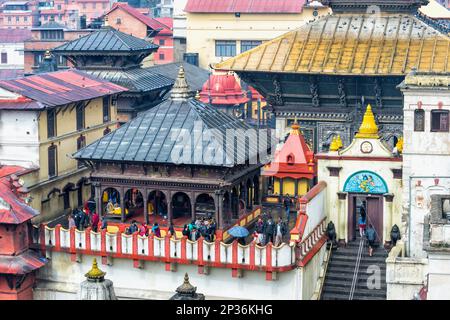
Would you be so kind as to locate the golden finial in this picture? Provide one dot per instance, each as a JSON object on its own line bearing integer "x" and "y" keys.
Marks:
{"x": 334, "y": 146}
{"x": 339, "y": 142}
{"x": 295, "y": 128}
{"x": 95, "y": 273}
{"x": 369, "y": 128}
{"x": 399, "y": 145}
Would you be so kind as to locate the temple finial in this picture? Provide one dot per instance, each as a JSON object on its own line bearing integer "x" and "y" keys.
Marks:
{"x": 334, "y": 146}
{"x": 181, "y": 90}
{"x": 369, "y": 128}
{"x": 95, "y": 273}
{"x": 295, "y": 127}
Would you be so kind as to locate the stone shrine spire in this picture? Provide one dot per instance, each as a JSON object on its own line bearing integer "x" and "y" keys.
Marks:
{"x": 369, "y": 128}
{"x": 181, "y": 90}
{"x": 96, "y": 287}
{"x": 187, "y": 291}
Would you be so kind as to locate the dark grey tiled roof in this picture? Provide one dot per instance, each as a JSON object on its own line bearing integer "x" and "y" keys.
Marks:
{"x": 152, "y": 137}
{"x": 136, "y": 80}
{"x": 107, "y": 39}
{"x": 195, "y": 76}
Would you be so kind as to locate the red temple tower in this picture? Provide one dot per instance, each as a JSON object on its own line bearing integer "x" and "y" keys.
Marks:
{"x": 18, "y": 262}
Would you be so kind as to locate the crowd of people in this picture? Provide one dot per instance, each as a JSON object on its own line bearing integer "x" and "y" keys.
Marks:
{"x": 86, "y": 217}
{"x": 205, "y": 227}
{"x": 266, "y": 230}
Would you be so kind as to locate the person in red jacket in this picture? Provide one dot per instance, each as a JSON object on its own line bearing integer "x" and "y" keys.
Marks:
{"x": 95, "y": 221}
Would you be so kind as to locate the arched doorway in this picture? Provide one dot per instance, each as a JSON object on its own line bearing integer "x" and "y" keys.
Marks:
{"x": 365, "y": 198}
{"x": 111, "y": 202}
{"x": 157, "y": 205}
{"x": 181, "y": 206}
{"x": 67, "y": 193}
{"x": 205, "y": 206}
{"x": 133, "y": 203}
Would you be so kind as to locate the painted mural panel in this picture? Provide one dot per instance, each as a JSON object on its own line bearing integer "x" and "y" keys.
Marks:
{"x": 365, "y": 182}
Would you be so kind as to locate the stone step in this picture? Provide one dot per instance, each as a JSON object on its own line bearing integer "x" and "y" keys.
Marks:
{"x": 349, "y": 277}
{"x": 358, "y": 292}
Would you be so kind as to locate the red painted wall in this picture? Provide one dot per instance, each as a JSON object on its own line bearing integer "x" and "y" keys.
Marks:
{"x": 13, "y": 239}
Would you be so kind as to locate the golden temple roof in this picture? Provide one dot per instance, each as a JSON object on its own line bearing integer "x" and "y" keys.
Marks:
{"x": 369, "y": 128}
{"x": 351, "y": 44}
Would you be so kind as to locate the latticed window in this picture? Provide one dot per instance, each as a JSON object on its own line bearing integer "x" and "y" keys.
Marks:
{"x": 51, "y": 123}
{"x": 419, "y": 120}
{"x": 106, "y": 106}
{"x": 439, "y": 121}
{"x": 80, "y": 116}
{"x": 225, "y": 48}
{"x": 52, "y": 161}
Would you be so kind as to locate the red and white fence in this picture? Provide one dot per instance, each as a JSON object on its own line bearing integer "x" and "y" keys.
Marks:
{"x": 175, "y": 250}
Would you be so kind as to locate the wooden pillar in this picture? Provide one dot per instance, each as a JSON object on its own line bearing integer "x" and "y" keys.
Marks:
{"x": 297, "y": 181}
{"x": 169, "y": 206}
{"x": 281, "y": 186}
{"x": 145, "y": 208}
{"x": 98, "y": 199}
{"x": 122, "y": 204}
{"x": 192, "y": 199}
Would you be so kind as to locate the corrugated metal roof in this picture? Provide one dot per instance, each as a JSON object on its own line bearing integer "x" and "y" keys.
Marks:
{"x": 106, "y": 39}
{"x": 148, "y": 21}
{"x": 151, "y": 137}
{"x": 245, "y": 6}
{"x": 61, "y": 87}
{"x": 351, "y": 44}
{"x": 136, "y": 80}
{"x": 195, "y": 76}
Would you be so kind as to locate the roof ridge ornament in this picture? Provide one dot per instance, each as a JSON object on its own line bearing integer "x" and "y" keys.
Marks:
{"x": 181, "y": 90}
{"x": 368, "y": 128}
{"x": 95, "y": 274}
{"x": 295, "y": 128}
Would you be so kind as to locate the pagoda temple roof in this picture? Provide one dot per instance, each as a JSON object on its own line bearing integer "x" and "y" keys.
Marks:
{"x": 195, "y": 76}
{"x": 136, "y": 79}
{"x": 104, "y": 40}
{"x": 294, "y": 160}
{"x": 154, "y": 135}
{"x": 13, "y": 210}
{"x": 24, "y": 263}
{"x": 384, "y": 44}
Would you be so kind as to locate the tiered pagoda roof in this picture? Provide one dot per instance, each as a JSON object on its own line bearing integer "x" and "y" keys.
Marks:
{"x": 353, "y": 41}
{"x": 152, "y": 136}
{"x": 294, "y": 160}
{"x": 122, "y": 55}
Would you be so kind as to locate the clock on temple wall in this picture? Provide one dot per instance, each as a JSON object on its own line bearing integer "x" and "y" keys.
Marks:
{"x": 366, "y": 147}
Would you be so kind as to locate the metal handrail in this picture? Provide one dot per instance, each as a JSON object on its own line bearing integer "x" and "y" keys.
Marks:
{"x": 356, "y": 271}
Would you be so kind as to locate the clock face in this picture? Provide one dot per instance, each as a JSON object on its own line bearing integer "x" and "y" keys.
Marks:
{"x": 366, "y": 147}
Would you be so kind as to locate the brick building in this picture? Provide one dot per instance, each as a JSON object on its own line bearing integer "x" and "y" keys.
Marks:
{"x": 130, "y": 20}
{"x": 47, "y": 37}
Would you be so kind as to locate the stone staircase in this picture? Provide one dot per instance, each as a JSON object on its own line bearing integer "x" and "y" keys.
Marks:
{"x": 339, "y": 276}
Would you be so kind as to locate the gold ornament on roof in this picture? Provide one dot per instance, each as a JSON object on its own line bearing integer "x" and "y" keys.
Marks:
{"x": 95, "y": 273}
{"x": 399, "y": 145}
{"x": 334, "y": 146}
{"x": 339, "y": 142}
{"x": 295, "y": 128}
{"x": 369, "y": 128}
